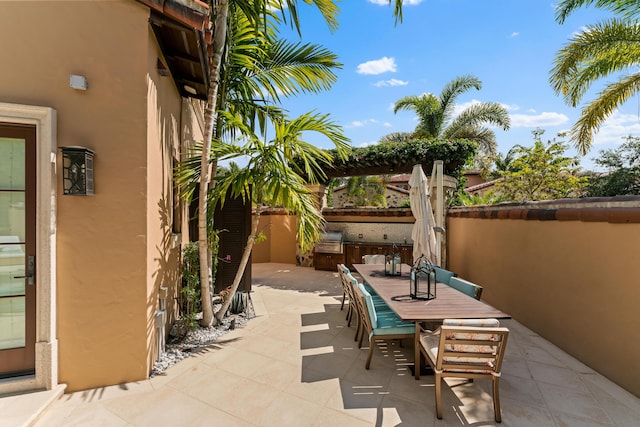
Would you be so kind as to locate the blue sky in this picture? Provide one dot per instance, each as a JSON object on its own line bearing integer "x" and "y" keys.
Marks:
{"x": 508, "y": 44}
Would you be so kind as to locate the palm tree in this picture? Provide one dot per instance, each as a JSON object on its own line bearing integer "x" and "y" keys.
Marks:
{"x": 367, "y": 190}
{"x": 435, "y": 115}
{"x": 257, "y": 12}
{"x": 274, "y": 178}
{"x": 504, "y": 163}
{"x": 598, "y": 51}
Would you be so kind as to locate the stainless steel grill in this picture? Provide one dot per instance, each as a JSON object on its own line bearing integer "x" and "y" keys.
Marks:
{"x": 330, "y": 243}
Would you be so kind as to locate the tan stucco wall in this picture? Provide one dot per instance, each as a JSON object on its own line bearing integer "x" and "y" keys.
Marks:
{"x": 164, "y": 123}
{"x": 281, "y": 242}
{"x": 575, "y": 283}
{"x": 114, "y": 249}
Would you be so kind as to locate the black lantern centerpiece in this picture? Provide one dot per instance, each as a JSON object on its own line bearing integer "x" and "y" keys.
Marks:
{"x": 393, "y": 263}
{"x": 422, "y": 281}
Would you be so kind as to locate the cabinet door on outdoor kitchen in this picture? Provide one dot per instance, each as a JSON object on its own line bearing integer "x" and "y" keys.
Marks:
{"x": 328, "y": 262}
{"x": 353, "y": 255}
{"x": 406, "y": 254}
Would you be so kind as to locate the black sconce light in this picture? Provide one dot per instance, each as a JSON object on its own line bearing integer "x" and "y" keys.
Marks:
{"x": 422, "y": 281}
{"x": 77, "y": 171}
{"x": 393, "y": 263}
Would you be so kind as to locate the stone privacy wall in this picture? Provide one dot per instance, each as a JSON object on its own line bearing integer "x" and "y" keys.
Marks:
{"x": 373, "y": 232}
{"x": 394, "y": 196}
{"x": 566, "y": 269}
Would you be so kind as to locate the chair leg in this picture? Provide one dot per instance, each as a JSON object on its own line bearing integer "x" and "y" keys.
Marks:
{"x": 344, "y": 294}
{"x": 358, "y": 326}
{"x": 349, "y": 314}
{"x": 417, "y": 360}
{"x": 438, "y": 381}
{"x": 362, "y": 332}
{"x": 496, "y": 399}
{"x": 372, "y": 344}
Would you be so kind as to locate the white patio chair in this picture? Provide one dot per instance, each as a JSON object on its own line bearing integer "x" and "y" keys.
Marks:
{"x": 373, "y": 259}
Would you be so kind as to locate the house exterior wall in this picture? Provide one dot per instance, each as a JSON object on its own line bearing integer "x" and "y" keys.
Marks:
{"x": 571, "y": 275}
{"x": 165, "y": 121}
{"x": 114, "y": 249}
{"x": 473, "y": 178}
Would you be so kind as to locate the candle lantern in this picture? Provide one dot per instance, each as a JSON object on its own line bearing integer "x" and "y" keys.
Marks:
{"x": 393, "y": 263}
{"x": 422, "y": 281}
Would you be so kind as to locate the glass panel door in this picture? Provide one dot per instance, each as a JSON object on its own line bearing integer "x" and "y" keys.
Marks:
{"x": 17, "y": 225}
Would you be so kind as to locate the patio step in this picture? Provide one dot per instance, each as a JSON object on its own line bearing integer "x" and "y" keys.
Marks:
{"x": 23, "y": 410}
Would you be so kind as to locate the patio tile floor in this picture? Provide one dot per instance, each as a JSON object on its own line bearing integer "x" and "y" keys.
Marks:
{"x": 297, "y": 364}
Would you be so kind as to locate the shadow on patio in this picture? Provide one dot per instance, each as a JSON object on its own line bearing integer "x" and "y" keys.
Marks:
{"x": 296, "y": 363}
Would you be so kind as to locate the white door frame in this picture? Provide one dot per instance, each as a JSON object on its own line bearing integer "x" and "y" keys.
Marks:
{"x": 46, "y": 375}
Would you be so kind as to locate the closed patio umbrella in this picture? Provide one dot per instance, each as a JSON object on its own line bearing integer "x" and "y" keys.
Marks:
{"x": 424, "y": 239}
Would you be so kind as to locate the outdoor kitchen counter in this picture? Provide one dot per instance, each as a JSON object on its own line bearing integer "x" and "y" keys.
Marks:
{"x": 352, "y": 253}
{"x": 355, "y": 250}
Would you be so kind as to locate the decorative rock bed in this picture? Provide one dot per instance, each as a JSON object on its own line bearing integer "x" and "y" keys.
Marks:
{"x": 179, "y": 349}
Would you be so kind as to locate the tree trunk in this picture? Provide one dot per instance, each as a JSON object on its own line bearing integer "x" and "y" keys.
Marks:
{"x": 221, "y": 9}
{"x": 241, "y": 268}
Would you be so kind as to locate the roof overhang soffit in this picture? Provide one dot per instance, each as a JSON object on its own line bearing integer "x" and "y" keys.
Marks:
{"x": 182, "y": 29}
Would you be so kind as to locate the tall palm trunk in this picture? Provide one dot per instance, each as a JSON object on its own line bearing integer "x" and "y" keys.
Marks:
{"x": 242, "y": 267}
{"x": 207, "y": 169}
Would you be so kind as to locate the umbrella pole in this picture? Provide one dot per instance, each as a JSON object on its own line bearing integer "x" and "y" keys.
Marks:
{"x": 437, "y": 181}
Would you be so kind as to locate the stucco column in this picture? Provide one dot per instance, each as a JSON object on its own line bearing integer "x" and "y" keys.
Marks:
{"x": 320, "y": 193}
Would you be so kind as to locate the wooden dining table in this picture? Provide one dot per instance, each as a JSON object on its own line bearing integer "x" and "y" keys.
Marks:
{"x": 448, "y": 304}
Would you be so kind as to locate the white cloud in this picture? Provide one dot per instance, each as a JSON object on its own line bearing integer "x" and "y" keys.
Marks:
{"x": 367, "y": 143}
{"x": 538, "y": 120}
{"x": 508, "y": 107}
{"x": 378, "y": 66}
{"x": 361, "y": 123}
{"x": 391, "y": 82}
{"x": 387, "y": 124}
{"x": 515, "y": 34}
{"x": 459, "y": 108}
{"x": 404, "y": 3}
{"x": 522, "y": 120}
{"x": 616, "y": 127}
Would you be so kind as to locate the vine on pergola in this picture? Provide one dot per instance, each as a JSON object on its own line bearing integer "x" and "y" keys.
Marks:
{"x": 400, "y": 157}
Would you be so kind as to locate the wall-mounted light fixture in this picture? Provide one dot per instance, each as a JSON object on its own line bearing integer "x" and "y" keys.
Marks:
{"x": 78, "y": 82}
{"x": 77, "y": 171}
{"x": 190, "y": 89}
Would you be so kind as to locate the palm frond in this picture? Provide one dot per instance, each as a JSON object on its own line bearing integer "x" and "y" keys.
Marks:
{"x": 476, "y": 115}
{"x": 453, "y": 89}
{"x": 596, "y": 52}
{"x": 625, "y": 8}
{"x": 327, "y": 8}
{"x": 293, "y": 68}
{"x": 594, "y": 114}
{"x": 429, "y": 111}
{"x": 483, "y": 136}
